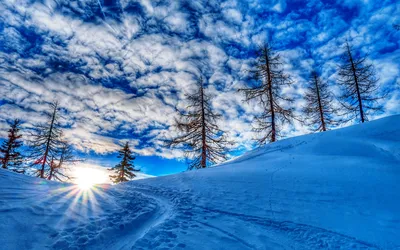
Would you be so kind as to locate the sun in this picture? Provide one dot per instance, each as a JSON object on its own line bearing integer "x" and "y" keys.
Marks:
{"x": 85, "y": 184}
{"x": 86, "y": 178}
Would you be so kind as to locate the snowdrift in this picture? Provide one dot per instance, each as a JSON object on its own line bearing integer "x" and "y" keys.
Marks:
{"x": 333, "y": 190}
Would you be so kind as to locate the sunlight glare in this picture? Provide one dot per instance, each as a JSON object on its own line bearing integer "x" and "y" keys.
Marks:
{"x": 86, "y": 178}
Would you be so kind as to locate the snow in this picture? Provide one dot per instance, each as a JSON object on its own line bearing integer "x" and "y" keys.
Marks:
{"x": 331, "y": 190}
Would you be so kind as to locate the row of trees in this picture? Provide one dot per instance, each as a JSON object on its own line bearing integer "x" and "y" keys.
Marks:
{"x": 206, "y": 143}
{"x": 201, "y": 138}
{"x": 49, "y": 153}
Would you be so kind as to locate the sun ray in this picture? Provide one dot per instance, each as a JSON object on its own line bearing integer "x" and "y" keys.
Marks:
{"x": 81, "y": 199}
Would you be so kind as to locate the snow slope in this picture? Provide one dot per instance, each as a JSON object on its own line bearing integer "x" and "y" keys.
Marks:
{"x": 333, "y": 190}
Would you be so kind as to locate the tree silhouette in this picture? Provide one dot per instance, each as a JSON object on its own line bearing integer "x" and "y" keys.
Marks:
{"x": 319, "y": 109}
{"x": 201, "y": 137}
{"x": 359, "y": 83}
{"x": 11, "y": 157}
{"x": 270, "y": 77}
{"x": 46, "y": 142}
{"x": 124, "y": 171}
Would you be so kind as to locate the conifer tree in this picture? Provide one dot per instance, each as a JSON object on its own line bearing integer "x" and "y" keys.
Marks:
{"x": 124, "y": 171}
{"x": 201, "y": 137}
{"x": 319, "y": 109}
{"x": 359, "y": 83}
{"x": 268, "y": 92}
{"x": 46, "y": 142}
{"x": 11, "y": 158}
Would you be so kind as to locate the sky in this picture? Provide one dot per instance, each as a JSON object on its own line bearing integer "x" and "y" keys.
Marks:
{"x": 120, "y": 69}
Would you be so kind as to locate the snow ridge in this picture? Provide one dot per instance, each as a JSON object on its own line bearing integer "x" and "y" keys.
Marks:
{"x": 331, "y": 190}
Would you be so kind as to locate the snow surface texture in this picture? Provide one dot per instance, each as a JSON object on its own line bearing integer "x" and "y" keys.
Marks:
{"x": 331, "y": 190}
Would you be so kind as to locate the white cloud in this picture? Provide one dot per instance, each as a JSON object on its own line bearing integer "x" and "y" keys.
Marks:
{"x": 121, "y": 78}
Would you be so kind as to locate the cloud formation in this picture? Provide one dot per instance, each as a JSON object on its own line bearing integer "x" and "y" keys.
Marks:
{"x": 120, "y": 68}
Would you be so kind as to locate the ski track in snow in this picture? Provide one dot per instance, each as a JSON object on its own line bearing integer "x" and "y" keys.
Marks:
{"x": 136, "y": 214}
{"x": 155, "y": 218}
{"x": 145, "y": 222}
{"x": 271, "y": 198}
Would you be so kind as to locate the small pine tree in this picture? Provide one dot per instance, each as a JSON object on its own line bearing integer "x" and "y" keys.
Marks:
{"x": 319, "y": 110}
{"x": 45, "y": 142}
{"x": 202, "y": 139}
{"x": 268, "y": 71}
{"x": 124, "y": 171}
{"x": 359, "y": 83}
{"x": 11, "y": 157}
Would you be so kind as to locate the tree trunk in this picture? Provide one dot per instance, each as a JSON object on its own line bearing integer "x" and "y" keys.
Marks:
{"x": 6, "y": 157}
{"x": 48, "y": 142}
{"x": 271, "y": 100}
{"x": 203, "y": 131}
{"x": 321, "y": 113}
{"x": 51, "y": 174}
{"x": 356, "y": 82}
{"x": 5, "y": 161}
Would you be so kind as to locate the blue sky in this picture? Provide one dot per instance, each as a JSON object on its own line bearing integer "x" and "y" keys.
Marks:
{"x": 119, "y": 68}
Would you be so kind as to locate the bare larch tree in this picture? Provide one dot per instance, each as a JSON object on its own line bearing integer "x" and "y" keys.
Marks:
{"x": 124, "y": 171}
{"x": 359, "y": 83}
{"x": 319, "y": 111}
{"x": 202, "y": 139}
{"x": 11, "y": 158}
{"x": 59, "y": 166}
{"x": 270, "y": 80}
{"x": 46, "y": 142}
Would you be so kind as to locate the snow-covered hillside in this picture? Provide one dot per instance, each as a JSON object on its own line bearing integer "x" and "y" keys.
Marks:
{"x": 337, "y": 189}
